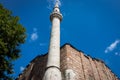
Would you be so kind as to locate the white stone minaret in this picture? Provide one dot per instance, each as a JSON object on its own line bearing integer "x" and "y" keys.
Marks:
{"x": 53, "y": 63}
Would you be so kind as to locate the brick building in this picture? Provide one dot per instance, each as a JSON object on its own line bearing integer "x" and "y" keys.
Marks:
{"x": 66, "y": 63}
{"x": 74, "y": 65}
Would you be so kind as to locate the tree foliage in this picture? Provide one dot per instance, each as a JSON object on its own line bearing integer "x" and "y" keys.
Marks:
{"x": 12, "y": 34}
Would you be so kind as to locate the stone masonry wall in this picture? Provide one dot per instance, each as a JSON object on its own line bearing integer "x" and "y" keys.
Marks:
{"x": 77, "y": 66}
{"x": 74, "y": 65}
{"x": 35, "y": 70}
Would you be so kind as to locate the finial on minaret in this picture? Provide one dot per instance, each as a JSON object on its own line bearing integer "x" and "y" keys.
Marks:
{"x": 56, "y": 12}
{"x": 57, "y": 4}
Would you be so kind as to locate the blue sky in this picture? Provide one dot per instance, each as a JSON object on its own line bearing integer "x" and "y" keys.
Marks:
{"x": 92, "y": 26}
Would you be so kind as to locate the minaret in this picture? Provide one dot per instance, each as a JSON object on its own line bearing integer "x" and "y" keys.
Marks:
{"x": 53, "y": 63}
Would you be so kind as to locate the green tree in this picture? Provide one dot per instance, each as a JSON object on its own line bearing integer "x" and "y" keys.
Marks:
{"x": 12, "y": 34}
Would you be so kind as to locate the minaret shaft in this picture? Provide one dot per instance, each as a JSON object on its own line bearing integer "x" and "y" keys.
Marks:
{"x": 54, "y": 49}
{"x": 53, "y": 63}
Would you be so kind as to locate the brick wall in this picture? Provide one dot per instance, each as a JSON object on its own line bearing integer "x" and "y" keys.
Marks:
{"x": 84, "y": 67}
{"x": 35, "y": 70}
{"x": 74, "y": 65}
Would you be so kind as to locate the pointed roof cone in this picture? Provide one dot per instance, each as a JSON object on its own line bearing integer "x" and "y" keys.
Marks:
{"x": 57, "y": 4}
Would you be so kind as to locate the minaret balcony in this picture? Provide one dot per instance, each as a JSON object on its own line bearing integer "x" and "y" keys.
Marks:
{"x": 56, "y": 14}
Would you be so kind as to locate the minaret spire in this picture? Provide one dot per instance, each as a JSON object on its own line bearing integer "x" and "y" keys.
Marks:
{"x": 57, "y": 3}
{"x": 53, "y": 64}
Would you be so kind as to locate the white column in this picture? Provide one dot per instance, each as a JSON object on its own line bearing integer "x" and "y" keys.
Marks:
{"x": 54, "y": 49}
{"x": 53, "y": 64}
{"x": 52, "y": 74}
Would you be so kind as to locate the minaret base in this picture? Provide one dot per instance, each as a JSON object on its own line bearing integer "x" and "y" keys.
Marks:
{"x": 52, "y": 73}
